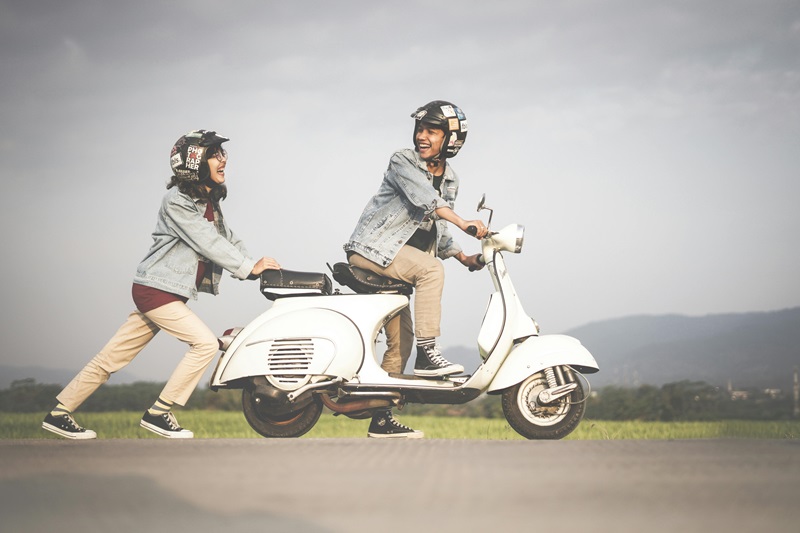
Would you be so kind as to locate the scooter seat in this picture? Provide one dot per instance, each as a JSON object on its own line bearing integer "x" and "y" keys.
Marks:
{"x": 281, "y": 283}
{"x": 367, "y": 282}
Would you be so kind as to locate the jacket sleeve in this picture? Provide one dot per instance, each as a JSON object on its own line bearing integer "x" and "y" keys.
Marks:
{"x": 406, "y": 177}
{"x": 183, "y": 217}
{"x": 447, "y": 246}
{"x": 236, "y": 241}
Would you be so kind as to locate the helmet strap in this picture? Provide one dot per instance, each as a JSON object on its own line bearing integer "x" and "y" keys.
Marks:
{"x": 435, "y": 164}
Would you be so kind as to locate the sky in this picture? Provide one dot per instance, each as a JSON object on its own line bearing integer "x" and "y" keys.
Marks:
{"x": 651, "y": 150}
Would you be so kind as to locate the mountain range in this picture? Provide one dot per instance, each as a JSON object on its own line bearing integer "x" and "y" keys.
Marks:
{"x": 747, "y": 350}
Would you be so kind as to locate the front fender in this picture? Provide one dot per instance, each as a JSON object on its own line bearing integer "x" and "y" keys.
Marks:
{"x": 537, "y": 353}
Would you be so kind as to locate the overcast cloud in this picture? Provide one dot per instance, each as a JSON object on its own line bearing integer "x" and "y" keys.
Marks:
{"x": 650, "y": 149}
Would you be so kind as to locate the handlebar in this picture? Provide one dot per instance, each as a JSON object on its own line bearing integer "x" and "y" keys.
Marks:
{"x": 481, "y": 260}
{"x": 473, "y": 230}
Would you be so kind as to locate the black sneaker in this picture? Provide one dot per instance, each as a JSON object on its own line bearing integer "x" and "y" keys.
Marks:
{"x": 165, "y": 425}
{"x": 431, "y": 364}
{"x": 66, "y": 426}
{"x": 384, "y": 426}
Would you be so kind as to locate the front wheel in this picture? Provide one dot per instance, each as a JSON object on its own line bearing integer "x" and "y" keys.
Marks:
{"x": 273, "y": 423}
{"x": 534, "y": 420}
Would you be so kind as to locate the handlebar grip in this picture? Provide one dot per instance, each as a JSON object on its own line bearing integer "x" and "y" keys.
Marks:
{"x": 481, "y": 261}
{"x": 472, "y": 230}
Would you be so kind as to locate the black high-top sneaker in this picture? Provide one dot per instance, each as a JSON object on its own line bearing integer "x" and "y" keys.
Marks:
{"x": 165, "y": 425}
{"x": 384, "y": 426}
{"x": 65, "y": 426}
{"x": 431, "y": 364}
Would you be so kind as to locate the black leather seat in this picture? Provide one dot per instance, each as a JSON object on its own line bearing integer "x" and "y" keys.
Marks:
{"x": 367, "y": 282}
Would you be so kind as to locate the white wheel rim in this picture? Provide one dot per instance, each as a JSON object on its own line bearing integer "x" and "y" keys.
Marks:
{"x": 535, "y": 413}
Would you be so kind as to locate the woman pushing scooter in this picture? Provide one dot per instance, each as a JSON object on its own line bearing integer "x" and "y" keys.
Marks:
{"x": 192, "y": 244}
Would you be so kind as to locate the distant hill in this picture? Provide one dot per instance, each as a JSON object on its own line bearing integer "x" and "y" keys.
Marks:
{"x": 749, "y": 349}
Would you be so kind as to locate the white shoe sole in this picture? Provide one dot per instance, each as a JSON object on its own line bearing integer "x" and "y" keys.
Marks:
{"x": 183, "y": 434}
{"x": 84, "y": 435}
{"x": 415, "y": 435}
{"x": 446, "y": 371}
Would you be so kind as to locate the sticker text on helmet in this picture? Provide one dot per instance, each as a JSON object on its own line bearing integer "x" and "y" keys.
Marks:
{"x": 194, "y": 154}
{"x": 447, "y": 110}
{"x": 176, "y": 160}
{"x": 452, "y": 124}
{"x": 463, "y": 125}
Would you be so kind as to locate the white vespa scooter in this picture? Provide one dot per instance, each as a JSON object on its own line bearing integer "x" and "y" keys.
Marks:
{"x": 313, "y": 349}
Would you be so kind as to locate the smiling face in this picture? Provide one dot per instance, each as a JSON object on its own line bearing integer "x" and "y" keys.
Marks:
{"x": 217, "y": 160}
{"x": 429, "y": 142}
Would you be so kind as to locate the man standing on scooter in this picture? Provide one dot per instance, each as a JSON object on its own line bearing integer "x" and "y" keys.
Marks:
{"x": 403, "y": 234}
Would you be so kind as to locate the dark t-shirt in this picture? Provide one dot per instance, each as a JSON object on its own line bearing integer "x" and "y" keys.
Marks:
{"x": 423, "y": 238}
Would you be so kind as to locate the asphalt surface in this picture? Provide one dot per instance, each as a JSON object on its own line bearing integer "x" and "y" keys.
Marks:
{"x": 353, "y": 485}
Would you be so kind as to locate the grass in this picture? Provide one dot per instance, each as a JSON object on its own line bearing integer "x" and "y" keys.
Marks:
{"x": 229, "y": 424}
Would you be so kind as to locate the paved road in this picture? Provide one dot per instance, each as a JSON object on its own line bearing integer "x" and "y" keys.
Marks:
{"x": 353, "y": 485}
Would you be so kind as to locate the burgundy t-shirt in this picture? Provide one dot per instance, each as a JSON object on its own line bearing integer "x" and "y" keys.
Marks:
{"x": 148, "y": 298}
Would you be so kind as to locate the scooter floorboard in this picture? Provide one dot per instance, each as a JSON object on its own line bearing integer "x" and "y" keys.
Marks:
{"x": 455, "y": 379}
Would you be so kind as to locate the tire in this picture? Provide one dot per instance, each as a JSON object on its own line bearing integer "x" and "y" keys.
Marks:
{"x": 542, "y": 421}
{"x": 271, "y": 424}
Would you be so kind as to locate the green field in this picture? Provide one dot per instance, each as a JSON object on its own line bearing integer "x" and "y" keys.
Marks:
{"x": 227, "y": 424}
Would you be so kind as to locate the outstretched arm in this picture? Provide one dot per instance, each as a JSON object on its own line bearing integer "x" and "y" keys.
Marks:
{"x": 451, "y": 216}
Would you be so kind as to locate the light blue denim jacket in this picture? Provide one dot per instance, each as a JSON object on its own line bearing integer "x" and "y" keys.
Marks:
{"x": 183, "y": 237}
{"x": 405, "y": 200}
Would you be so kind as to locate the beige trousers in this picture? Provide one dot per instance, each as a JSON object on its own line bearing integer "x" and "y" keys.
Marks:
{"x": 138, "y": 330}
{"x": 426, "y": 273}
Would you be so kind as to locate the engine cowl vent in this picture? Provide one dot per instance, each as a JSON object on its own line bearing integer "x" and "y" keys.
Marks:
{"x": 292, "y": 362}
{"x": 291, "y": 355}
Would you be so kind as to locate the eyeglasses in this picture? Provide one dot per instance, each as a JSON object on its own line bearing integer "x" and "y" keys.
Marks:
{"x": 217, "y": 151}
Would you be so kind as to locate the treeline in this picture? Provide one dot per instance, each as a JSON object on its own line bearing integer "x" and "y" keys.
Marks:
{"x": 27, "y": 396}
{"x": 680, "y": 401}
{"x": 688, "y": 401}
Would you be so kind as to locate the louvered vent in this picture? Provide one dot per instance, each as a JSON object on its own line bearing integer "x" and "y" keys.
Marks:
{"x": 289, "y": 359}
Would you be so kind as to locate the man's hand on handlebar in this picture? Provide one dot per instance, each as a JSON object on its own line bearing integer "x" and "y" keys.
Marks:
{"x": 472, "y": 262}
{"x": 476, "y": 228}
{"x": 480, "y": 230}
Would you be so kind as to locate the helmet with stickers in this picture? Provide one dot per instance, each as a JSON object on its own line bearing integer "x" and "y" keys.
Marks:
{"x": 445, "y": 116}
{"x": 189, "y": 159}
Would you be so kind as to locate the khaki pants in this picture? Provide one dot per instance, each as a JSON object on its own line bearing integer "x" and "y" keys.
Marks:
{"x": 176, "y": 319}
{"x": 426, "y": 273}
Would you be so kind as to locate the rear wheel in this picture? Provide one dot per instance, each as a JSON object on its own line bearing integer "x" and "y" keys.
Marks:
{"x": 274, "y": 423}
{"x": 534, "y": 420}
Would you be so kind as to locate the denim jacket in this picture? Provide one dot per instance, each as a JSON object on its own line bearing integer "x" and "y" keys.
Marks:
{"x": 183, "y": 237}
{"x": 405, "y": 201}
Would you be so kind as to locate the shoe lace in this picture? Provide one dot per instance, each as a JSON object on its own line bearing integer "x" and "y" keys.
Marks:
{"x": 171, "y": 421}
{"x": 397, "y": 424}
{"x": 71, "y": 421}
{"x": 435, "y": 356}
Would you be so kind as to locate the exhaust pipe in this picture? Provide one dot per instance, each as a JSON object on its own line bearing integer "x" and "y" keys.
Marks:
{"x": 355, "y": 406}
